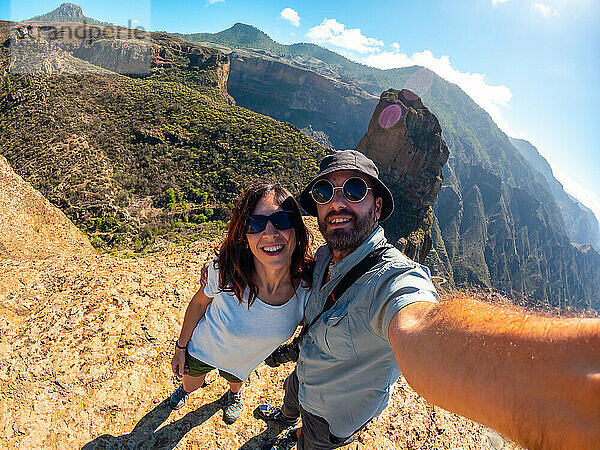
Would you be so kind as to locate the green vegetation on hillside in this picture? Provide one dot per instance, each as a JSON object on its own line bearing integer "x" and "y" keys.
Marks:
{"x": 128, "y": 159}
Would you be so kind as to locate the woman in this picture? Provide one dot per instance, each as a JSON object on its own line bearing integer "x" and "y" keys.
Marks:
{"x": 254, "y": 297}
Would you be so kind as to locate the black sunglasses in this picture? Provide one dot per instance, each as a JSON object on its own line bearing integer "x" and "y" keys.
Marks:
{"x": 354, "y": 189}
{"x": 281, "y": 220}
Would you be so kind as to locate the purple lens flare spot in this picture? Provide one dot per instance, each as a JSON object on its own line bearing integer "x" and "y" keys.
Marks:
{"x": 390, "y": 116}
{"x": 409, "y": 95}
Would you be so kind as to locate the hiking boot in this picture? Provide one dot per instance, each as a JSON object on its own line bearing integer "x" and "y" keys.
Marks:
{"x": 273, "y": 413}
{"x": 178, "y": 398}
{"x": 284, "y": 442}
{"x": 233, "y": 407}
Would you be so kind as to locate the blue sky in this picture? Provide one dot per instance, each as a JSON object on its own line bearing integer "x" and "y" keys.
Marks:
{"x": 534, "y": 65}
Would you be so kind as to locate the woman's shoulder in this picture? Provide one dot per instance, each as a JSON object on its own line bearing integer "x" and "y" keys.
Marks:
{"x": 212, "y": 281}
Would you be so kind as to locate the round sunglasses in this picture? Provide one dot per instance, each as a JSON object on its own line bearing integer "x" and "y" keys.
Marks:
{"x": 354, "y": 190}
{"x": 281, "y": 220}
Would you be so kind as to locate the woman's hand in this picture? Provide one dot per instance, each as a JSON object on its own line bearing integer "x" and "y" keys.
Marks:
{"x": 178, "y": 363}
{"x": 204, "y": 273}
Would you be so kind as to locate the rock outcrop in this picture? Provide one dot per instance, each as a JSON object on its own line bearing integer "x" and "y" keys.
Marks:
{"x": 405, "y": 140}
{"x": 318, "y": 136}
{"x": 67, "y": 12}
{"x": 30, "y": 226}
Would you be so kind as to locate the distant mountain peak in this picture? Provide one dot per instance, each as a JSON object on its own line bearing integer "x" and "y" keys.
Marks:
{"x": 244, "y": 26}
{"x": 248, "y": 32}
{"x": 67, "y": 12}
{"x": 239, "y": 35}
{"x": 70, "y": 10}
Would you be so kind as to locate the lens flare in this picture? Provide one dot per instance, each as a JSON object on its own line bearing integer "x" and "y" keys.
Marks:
{"x": 390, "y": 116}
{"x": 420, "y": 82}
{"x": 409, "y": 95}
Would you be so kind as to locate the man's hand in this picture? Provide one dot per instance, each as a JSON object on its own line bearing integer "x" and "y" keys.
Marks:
{"x": 532, "y": 378}
{"x": 178, "y": 363}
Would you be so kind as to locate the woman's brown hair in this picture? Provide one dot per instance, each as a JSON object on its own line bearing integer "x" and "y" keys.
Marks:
{"x": 236, "y": 261}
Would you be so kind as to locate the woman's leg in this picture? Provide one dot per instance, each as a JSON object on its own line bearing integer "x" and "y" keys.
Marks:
{"x": 190, "y": 384}
{"x": 235, "y": 387}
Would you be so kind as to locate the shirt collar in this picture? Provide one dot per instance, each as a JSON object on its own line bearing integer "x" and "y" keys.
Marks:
{"x": 375, "y": 240}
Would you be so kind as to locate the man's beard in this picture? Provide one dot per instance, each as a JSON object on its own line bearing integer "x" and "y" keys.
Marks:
{"x": 347, "y": 240}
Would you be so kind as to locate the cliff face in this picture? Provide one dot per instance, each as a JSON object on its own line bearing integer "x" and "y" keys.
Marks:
{"x": 582, "y": 226}
{"x": 300, "y": 96}
{"x": 84, "y": 48}
{"x": 499, "y": 236}
{"x": 405, "y": 140}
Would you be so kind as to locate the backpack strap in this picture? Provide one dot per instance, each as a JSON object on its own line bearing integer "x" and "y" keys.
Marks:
{"x": 367, "y": 263}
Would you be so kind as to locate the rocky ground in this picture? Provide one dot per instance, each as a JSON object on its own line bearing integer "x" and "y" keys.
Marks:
{"x": 85, "y": 348}
{"x": 86, "y": 342}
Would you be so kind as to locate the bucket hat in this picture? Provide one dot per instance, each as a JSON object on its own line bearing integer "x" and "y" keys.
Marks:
{"x": 349, "y": 160}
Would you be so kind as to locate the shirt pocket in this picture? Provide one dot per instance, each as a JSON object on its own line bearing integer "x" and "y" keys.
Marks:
{"x": 338, "y": 337}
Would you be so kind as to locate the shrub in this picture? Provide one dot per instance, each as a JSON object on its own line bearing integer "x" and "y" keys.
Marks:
{"x": 170, "y": 196}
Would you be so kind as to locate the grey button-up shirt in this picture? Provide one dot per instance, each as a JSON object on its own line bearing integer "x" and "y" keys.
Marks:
{"x": 346, "y": 367}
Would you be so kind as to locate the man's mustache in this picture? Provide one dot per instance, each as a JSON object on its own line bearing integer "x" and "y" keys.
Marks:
{"x": 342, "y": 211}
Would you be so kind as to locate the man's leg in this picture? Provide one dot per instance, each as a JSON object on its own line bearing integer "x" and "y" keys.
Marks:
{"x": 315, "y": 434}
{"x": 289, "y": 413}
{"x": 291, "y": 406}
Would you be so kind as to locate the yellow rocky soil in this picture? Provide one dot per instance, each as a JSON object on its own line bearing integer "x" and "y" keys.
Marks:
{"x": 85, "y": 348}
{"x": 86, "y": 342}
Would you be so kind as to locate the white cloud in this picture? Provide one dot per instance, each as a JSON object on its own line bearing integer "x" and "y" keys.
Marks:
{"x": 584, "y": 195}
{"x": 290, "y": 15}
{"x": 545, "y": 10}
{"x": 334, "y": 33}
{"x": 395, "y": 45}
{"x": 486, "y": 95}
{"x": 212, "y": 2}
{"x": 498, "y": 1}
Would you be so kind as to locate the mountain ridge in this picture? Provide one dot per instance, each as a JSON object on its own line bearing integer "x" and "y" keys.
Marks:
{"x": 584, "y": 228}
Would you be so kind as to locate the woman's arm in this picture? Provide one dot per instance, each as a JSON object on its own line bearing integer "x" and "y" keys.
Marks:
{"x": 193, "y": 314}
{"x": 532, "y": 378}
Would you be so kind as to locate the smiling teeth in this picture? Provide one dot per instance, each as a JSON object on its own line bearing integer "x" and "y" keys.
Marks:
{"x": 340, "y": 220}
{"x": 273, "y": 249}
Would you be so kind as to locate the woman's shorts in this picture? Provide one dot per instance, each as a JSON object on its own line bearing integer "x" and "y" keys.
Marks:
{"x": 197, "y": 368}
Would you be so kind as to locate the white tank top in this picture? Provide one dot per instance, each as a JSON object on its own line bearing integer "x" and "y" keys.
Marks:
{"x": 234, "y": 338}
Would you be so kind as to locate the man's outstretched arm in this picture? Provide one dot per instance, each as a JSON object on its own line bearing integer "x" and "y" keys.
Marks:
{"x": 534, "y": 379}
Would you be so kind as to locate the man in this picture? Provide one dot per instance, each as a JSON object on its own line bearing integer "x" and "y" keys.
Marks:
{"x": 535, "y": 380}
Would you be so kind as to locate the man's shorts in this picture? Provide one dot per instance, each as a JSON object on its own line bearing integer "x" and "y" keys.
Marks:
{"x": 197, "y": 368}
